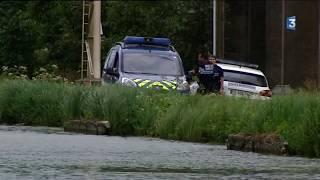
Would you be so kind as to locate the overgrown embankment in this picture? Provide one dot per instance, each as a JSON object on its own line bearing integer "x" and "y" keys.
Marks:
{"x": 133, "y": 111}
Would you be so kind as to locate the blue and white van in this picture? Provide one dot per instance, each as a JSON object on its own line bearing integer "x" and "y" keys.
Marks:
{"x": 145, "y": 62}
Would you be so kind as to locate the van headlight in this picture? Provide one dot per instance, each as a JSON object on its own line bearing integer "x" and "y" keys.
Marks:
{"x": 183, "y": 86}
{"x": 128, "y": 82}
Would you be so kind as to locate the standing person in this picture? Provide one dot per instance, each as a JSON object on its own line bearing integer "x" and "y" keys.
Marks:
{"x": 205, "y": 69}
{"x": 216, "y": 84}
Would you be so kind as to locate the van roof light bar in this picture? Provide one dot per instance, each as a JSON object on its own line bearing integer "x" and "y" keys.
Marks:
{"x": 147, "y": 41}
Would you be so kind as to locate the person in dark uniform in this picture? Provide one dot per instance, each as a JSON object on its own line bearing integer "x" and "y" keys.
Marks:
{"x": 204, "y": 69}
{"x": 216, "y": 84}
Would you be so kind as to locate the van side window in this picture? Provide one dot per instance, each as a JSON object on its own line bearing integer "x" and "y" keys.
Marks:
{"x": 107, "y": 59}
{"x": 116, "y": 60}
{"x": 111, "y": 58}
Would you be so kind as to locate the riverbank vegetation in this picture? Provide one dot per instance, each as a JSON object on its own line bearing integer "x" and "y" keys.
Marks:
{"x": 133, "y": 111}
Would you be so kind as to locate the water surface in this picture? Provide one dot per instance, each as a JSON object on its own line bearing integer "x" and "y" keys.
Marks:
{"x": 49, "y": 153}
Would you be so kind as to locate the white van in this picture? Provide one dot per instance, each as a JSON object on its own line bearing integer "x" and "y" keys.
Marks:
{"x": 244, "y": 80}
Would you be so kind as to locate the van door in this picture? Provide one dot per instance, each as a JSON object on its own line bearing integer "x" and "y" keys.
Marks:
{"x": 111, "y": 66}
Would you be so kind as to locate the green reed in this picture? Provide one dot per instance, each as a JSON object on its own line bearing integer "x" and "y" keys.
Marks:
{"x": 135, "y": 111}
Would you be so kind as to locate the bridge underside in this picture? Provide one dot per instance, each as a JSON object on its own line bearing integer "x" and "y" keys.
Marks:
{"x": 251, "y": 31}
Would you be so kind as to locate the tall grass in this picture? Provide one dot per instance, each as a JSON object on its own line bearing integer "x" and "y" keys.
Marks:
{"x": 133, "y": 111}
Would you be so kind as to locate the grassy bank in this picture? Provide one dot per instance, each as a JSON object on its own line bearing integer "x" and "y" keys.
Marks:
{"x": 166, "y": 115}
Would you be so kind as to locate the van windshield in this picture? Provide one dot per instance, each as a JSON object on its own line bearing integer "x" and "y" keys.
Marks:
{"x": 151, "y": 63}
{"x": 245, "y": 78}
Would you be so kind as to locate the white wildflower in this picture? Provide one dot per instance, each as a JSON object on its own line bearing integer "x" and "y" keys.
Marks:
{"x": 42, "y": 69}
{"x": 4, "y": 68}
{"x": 54, "y": 66}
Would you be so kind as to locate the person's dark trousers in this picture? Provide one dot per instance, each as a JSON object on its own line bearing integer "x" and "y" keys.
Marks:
{"x": 207, "y": 81}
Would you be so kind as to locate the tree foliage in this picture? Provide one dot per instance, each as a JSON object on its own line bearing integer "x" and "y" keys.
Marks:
{"x": 187, "y": 23}
{"x": 36, "y": 33}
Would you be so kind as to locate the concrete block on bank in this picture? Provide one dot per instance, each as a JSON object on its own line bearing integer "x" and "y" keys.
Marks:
{"x": 260, "y": 143}
{"x": 103, "y": 127}
{"x": 82, "y": 127}
{"x": 91, "y": 128}
{"x": 87, "y": 127}
{"x": 72, "y": 126}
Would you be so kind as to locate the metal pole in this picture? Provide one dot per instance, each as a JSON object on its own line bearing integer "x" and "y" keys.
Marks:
{"x": 282, "y": 41}
{"x": 318, "y": 44}
{"x": 249, "y": 30}
{"x": 222, "y": 29}
{"x": 82, "y": 39}
{"x": 214, "y": 27}
{"x": 96, "y": 48}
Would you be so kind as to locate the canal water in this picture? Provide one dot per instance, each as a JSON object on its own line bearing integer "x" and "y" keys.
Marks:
{"x": 49, "y": 153}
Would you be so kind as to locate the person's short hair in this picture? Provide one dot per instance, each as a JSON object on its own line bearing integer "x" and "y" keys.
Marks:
{"x": 212, "y": 56}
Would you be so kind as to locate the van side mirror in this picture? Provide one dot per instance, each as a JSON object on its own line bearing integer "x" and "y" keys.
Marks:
{"x": 111, "y": 71}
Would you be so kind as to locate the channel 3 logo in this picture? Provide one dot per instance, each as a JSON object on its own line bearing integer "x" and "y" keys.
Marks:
{"x": 291, "y": 23}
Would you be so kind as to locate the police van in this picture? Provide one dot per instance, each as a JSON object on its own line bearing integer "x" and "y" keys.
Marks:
{"x": 145, "y": 62}
{"x": 244, "y": 80}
